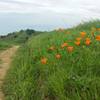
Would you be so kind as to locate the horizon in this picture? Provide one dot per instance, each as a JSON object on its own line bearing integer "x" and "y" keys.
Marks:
{"x": 16, "y": 15}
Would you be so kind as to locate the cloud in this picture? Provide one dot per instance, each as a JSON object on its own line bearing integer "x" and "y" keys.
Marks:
{"x": 58, "y": 6}
{"x": 82, "y": 8}
{"x": 87, "y": 8}
{"x": 46, "y": 14}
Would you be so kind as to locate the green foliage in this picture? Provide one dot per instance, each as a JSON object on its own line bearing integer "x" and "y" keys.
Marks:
{"x": 16, "y": 38}
{"x": 76, "y": 76}
{"x": 4, "y": 45}
{"x": 88, "y": 25}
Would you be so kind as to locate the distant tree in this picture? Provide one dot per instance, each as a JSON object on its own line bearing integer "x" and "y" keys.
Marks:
{"x": 21, "y": 31}
{"x": 15, "y": 36}
{"x": 2, "y": 37}
{"x": 30, "y": 31}
{"x": 27, "y": 38}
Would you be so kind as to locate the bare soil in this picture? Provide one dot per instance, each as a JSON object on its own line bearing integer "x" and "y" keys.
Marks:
{"x": 5, "y": 60}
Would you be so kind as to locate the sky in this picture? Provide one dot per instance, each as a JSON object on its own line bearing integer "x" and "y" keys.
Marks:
{"x": 45, "y": 14}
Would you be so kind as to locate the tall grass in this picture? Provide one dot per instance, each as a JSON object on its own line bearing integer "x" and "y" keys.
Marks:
{"x": 4, "y": 45}
{"x": 76, "y": 76}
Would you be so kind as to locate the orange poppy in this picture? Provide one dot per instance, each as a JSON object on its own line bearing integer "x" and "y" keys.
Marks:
{"x": 58, "y": 56}
{"x": 78, "y": 39}
{"x": 98, "y": 29}
{"x": 83, "y": 34}
{"x": 64, "y": 45}
{"x": 98, "y": 38}
{"x": 77, "y": 43}
{"x": 70, "y": 48}
{"x": 88, "y": 41}
{"x": 44, "y": 60}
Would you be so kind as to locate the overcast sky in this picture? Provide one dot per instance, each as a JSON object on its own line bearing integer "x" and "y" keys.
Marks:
{"x": 45, "y": 14}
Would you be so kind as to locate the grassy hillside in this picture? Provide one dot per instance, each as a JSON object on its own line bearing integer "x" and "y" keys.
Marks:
{"x": 58, "y": 65}
{"x": 16, "y": 38}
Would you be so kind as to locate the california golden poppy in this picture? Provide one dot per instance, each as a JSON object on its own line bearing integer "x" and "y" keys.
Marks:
{"x": 64, "y": 45}
{"x": 44, "y": 60}
{"x": 98, "y": 29}
{"x": 58, "y": 56}
{"x": 88, "y": 41}
{"x": 78, "y": 39}
{"x": 83, "y": 34}
{"x": 70, "y": 48}
{"x": 77, "y": 43}
{"x": 98, "y": 38}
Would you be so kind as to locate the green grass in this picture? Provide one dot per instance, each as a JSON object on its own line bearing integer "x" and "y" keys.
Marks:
{"x": 4, "y": 45}
{"x": 76, "y": 76}
{"x": 16, "y": 38}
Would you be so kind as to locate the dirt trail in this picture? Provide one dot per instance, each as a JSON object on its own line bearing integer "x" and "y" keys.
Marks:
{"x": 5, "y": 60}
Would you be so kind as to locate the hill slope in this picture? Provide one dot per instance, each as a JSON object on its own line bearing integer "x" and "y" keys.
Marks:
{"x": 58, "y": 65}
{"x": 16, "y": 38}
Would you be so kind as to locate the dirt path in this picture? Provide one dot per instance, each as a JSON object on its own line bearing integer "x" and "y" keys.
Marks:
{"x": 5, "y": 60}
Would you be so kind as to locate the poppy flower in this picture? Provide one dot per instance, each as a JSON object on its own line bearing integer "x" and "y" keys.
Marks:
{"x": 98, "y": 29}
{"x": 64, "y": 45}
{"x": 58, "y": 56}
{"x": 70, "y": 48}
{"x": 83, "y": 34}
{"x": 78, "y": 39}
{"x": 44, "y": 60}
{"x": 88, "y": 41}
{"x": 98, "y": 38}
{"x": 77, "y": 43}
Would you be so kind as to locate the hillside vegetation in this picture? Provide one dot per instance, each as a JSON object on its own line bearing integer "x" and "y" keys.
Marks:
{"x": 16, "y": 38}
{"x": 58, "y": 65}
